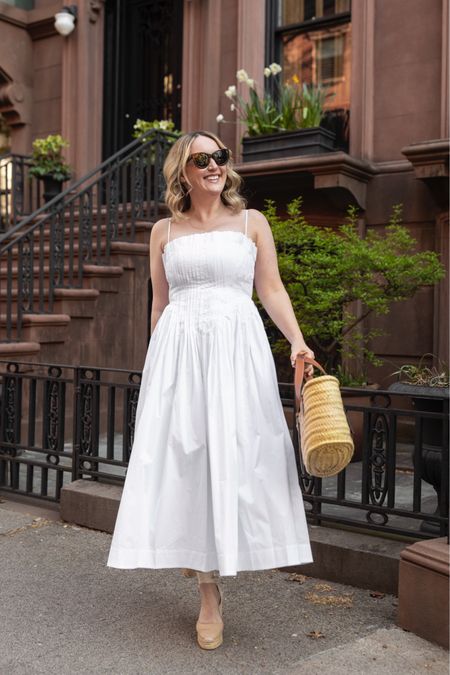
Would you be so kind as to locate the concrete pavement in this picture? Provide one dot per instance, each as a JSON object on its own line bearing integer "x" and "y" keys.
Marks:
{"x": 63, "y": 611}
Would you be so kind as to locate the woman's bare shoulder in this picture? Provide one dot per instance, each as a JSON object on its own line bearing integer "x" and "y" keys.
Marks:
{"x": 158, "y": 234}
{"x": 160, "y": 226}
{"x": 259, "y": 224}
{"x": 256, "y": 216}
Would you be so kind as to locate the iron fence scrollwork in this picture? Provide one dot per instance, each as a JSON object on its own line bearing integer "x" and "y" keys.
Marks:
{"x": 386, "y": 491}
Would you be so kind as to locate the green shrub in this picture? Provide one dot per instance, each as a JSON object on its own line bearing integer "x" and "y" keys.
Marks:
{"x": 325, "y": 270}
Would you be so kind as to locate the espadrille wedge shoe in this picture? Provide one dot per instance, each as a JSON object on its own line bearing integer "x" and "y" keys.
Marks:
{"x": 210, "y": 633}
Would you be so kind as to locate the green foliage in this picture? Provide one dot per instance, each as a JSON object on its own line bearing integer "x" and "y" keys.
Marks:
{"x": 286, "y": 106}
{"x": 348, "y": 380}
{"x": 328, "y": 272}
{"x": 313, "y": 100}
{"x": 48, "y": 160}
{"x": 425, "y": 376}
{"x": 142, "y": 126}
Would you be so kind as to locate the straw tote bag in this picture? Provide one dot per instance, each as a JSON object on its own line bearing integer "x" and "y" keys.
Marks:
{"x": 325, "y": 438}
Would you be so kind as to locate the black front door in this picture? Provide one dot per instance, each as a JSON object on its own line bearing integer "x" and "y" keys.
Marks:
{"x": 142, "y": 73}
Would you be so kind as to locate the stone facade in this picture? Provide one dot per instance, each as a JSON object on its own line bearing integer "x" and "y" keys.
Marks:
{"x": 398, "y": 118}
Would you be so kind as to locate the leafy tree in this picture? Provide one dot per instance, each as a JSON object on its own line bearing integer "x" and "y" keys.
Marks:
{"x": 326, "y": 271}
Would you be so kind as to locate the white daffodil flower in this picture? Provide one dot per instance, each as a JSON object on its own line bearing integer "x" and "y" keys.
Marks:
{"x": 232, "y": 107}
{"x": 275, "y": 68}
{"x": 267, "y": 72}
{"x": 242, "y": 75}
{"x": 220, "y": 118}
{"x": 250, "y": 82}
{"x": 231, "y": 91}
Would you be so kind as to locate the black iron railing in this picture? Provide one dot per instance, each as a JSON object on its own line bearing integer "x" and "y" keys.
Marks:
{"x": 62, "y": 423}
{"x": 49, "y": 248}
{"x": 389, "y": 489}
{"x": 20, "y": 193}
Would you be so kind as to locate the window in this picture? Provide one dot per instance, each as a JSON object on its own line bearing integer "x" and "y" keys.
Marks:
{"x": 311, "y": 40}
{"x": 299, "y": 11}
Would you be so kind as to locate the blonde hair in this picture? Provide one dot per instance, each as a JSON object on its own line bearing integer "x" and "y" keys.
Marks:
{"x": 177, "y": 193}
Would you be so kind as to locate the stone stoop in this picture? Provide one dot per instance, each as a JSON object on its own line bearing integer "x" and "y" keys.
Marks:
{"x": 342, "y": 556}
{"x": 103, "y": 323}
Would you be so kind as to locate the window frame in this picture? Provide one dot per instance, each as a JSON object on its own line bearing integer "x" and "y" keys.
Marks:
{"x": 274, "y": 33}
{"x": 335, "y": 119}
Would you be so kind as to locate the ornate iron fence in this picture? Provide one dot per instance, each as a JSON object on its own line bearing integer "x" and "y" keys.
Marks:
{"x": 50, "y": 248}
{"x": 394, "y": 488}
{"x": 62, "y": 423}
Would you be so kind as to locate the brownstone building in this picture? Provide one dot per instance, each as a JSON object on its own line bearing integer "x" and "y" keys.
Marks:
{"x": 385, "y": 61}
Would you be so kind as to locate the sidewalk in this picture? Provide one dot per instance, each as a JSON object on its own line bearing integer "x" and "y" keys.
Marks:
{"x": 63, "y": 611}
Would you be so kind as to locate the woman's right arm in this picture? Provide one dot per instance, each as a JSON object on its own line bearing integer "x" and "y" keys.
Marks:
{"x": 160, "y": 286}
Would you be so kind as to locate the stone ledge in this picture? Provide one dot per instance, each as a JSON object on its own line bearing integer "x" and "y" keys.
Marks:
{"x": 346, "y": 557}
{"x": 332, "y": 171}
{"x": 430, "y": 161}
{"x": 90, "y": 504}
{"x": 354, "y": 558}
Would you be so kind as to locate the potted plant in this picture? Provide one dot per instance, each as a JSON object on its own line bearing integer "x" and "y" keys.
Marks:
{"x": 146, "y": 159}
{"x": 48, "y": 164}
{"x": 429, "y": 390}
{"x": 327, "y": 272}
{"x": 141, "y": 127}
{"x": 284, "y": 121}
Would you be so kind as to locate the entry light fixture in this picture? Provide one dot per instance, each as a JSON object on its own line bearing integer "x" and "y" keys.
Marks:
{"x": 65, "y": 20}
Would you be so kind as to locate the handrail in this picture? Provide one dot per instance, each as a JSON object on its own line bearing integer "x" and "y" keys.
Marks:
{"x": 50, "y": 248}
{"x": 123, "y": 152}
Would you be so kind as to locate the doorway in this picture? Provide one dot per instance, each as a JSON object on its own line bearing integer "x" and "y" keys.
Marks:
{"x": 143, "y": 63}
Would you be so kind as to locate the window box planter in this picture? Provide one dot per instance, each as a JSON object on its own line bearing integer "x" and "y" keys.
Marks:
{"x": 313, "y": 141}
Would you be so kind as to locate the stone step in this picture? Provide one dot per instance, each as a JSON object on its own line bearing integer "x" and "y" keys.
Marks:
{"x": 142, "y": 231}
{"x": 137, "y": 247}
{"x": 41, "y": 328}
{"x": 76, "y": 302}
{"x": 20, "y": 351}
{"x": 90, "y": 273}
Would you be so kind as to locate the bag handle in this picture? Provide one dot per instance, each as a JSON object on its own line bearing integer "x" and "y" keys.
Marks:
{"x": 300, "y": 373}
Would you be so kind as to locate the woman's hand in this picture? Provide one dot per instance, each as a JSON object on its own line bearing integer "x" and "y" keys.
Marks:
{"x": 302, "y": 349}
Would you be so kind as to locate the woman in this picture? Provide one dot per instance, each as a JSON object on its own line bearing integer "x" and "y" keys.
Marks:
{"x": 211, "y": 485}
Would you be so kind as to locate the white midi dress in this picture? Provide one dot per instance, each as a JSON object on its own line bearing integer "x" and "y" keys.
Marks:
{"x": 212, "y": 481}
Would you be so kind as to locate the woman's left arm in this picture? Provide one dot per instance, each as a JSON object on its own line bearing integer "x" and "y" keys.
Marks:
{"x": 271, "y": 290}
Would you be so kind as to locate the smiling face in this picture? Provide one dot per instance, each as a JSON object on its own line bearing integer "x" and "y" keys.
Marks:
{"x": 209, "y": 181}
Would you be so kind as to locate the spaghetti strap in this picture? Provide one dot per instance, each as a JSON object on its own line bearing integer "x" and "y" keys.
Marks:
{"x": 246, "y": 221}
{"x": 168, "y": 230}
